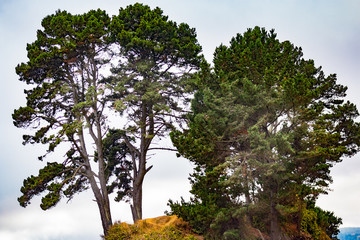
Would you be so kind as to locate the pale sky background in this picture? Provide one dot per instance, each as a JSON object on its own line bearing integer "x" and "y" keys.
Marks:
{"x": 327, "y": 30}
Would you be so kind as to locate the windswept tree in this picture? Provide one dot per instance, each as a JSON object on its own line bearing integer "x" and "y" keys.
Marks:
{"x": 157, "y": 56}
{"x": 65, "y": 106}
{"x": 270, "y": 125}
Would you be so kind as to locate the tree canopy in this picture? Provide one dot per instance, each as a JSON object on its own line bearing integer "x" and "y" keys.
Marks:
{"x": 270, "y": 125}
{"x": 71, "y": 93}
{"x": 66, "y": 100}
{"x": 149, "y": 84}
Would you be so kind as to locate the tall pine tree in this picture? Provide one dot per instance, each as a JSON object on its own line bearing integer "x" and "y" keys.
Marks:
{"x": 65, "y": 106}
{"x": 157, "y": 57}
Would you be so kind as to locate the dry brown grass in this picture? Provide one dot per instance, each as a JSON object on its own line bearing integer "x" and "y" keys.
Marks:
{"x": 160, "y": 228}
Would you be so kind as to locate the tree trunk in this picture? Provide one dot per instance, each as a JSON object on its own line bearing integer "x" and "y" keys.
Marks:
{"x": 136, "y": 207}
{"x": 105, "y": 202}
{"x": 275, "y": 233}
{"x": 104, "y": 208}
{"x": 247, "y": 192}
{"x": 275, "y": 229}
{"x": 146, "y": 135}
{"x": 101, "y": 196}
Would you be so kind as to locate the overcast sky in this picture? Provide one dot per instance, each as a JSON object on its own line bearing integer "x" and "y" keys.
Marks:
{"x": 327, "y": 30}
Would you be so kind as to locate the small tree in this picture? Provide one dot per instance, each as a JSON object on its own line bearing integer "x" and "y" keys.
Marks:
{"x": 157, "y": 56}
{"x": 66, "y": 107}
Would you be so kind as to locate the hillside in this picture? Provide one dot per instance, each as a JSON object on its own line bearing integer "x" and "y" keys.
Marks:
{"x": 164, "y": 227}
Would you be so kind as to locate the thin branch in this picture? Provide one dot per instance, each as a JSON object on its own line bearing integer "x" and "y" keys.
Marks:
{"x": 75, "y": 173}
{"x": 166, "y": 149}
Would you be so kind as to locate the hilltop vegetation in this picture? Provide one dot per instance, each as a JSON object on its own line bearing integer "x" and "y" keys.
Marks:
{"x": 165, "y": 228}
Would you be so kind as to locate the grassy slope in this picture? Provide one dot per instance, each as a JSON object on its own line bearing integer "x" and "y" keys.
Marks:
{"x": 164, "y": 228}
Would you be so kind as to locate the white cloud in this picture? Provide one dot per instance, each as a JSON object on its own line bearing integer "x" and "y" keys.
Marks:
{"x": 343, "y": 200}
{"x": 78, "y": 218}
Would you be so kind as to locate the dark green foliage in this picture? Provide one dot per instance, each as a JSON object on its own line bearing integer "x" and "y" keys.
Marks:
{"x": 117, "y": 153}
{"x": 159, "y": 56}
{"x": 59, "y": 51}
{"x": 326, "y": 221}
{"x": 319, "y": 224}
{"x": 147, "y": 34}
{"x": 55, "y": 179}
{"x": 153, "y": 46}
{"x": 275, "y": 123}
{"x": 210, "y": 197}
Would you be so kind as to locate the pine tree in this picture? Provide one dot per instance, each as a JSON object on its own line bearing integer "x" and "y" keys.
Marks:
{"x": 274, "y": 123}
{"x": 65, "y": 105}
{"x": 157, "y": 57}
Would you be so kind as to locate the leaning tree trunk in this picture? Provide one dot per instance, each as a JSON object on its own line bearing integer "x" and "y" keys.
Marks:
{"x": 104, "y": 208}
{"x": 100, "y": 193}
{"x": 105, "y": 202}
{"x": 101, "y": 199}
